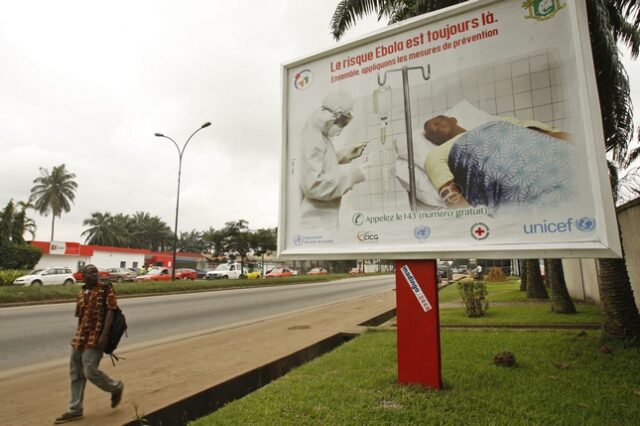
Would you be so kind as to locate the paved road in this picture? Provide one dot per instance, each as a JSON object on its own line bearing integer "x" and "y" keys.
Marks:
{"x": 34, "y": 334}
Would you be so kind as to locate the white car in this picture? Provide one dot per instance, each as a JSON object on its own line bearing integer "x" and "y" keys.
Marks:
{"x": 231, "y": 271}
{"x": 47, "y": 276}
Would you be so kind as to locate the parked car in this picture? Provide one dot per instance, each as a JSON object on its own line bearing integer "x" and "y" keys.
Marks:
{"x": 231, "y": 271}
{"x": 155, "y": 274}
{"x": 317, "y": 271}
{"x": 202, "y": 273}
{"x": 102, "y": 275}
{"x": 47, "y": 276}
{"x": 252, "y": 272}
{"x": 356, "y": 270}
{"x": 279, "y": 272}
{"x": 121, "y": 274}
{"x": 186, "y": 274}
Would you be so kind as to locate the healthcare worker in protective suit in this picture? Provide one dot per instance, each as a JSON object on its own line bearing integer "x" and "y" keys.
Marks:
{"x": 326, "y": 175}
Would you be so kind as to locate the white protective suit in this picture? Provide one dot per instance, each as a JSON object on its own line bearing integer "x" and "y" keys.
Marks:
{"x": 325, "y": 175}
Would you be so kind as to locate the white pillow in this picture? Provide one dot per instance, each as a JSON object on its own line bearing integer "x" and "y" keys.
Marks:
{"x": 426, "y": 193}
{"x": 468, "y": 116}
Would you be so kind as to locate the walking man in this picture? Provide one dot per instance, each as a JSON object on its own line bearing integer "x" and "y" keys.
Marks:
{"x": 95, "y": 304}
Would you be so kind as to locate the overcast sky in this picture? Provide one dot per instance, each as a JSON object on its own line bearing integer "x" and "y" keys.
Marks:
{"x": 88, "y": 84}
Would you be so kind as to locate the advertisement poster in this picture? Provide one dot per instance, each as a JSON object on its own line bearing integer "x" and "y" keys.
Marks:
{"x": 474, "y": 132}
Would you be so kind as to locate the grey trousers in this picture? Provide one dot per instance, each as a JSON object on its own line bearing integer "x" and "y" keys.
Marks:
{"x": 83, "y": 365}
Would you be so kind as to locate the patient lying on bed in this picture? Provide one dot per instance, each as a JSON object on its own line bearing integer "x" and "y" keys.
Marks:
{"x": 501, "y": 162}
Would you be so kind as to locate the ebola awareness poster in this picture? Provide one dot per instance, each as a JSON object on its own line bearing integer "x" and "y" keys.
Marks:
{"x": 470, "y": 132}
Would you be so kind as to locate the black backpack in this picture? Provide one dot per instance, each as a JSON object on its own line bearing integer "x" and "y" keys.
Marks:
{"x": 118, "y": 328}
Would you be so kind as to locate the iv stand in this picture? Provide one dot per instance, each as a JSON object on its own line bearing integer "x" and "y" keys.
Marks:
{"x": 407, "y": 120}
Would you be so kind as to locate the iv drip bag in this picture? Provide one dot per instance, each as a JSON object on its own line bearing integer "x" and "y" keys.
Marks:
{"x": 382, "y": 100}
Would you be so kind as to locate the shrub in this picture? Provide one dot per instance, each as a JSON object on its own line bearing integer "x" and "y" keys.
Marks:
{"x": 19, "y": 256}
{"x": 8, "y": 276}
{"x": 473, "y": 296}
{"x": 495, "y": 275}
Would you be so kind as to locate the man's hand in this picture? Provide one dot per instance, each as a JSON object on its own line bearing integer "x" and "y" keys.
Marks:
{"x": 353, "y": 153}
{"x": 451, "y": 195}
{"x": 102, "y": 341}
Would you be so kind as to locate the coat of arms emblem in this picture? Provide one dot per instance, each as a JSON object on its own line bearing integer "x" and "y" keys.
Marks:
{"x": 541, "y": 10}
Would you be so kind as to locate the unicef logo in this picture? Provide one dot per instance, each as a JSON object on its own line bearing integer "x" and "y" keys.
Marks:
{"x": 358, "y": 219}
{"x": 586, "y": 224}
{"x": 298, "y": 240}
{"x": 303, "y": 79}
{"x": 422, "y": 232}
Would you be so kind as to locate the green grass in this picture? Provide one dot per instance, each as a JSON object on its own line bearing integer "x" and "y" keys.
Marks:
{"x": 508, "y": 291}
{"x": 18, "y": 294}
{"x": 357, "y": 385}
{"x": 537, "y": 313}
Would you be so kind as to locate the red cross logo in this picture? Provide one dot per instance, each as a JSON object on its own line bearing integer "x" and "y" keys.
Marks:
{"x": 479, "y": 231}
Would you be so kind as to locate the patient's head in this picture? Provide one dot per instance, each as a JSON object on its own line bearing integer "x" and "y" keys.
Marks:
{"x": 441, "y": 128}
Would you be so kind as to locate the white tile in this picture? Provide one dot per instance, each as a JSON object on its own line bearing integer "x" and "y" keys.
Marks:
{"x": 454, "y": 97}
{"x": 488, "y": 105}
{"x": 521, "y": 84}
{"x": 440, "y": 102}
{"x": 524, "y": 114}
{"x": 543, "y": 113}
{"x": 504, "y": 104}
{"x": 424, "y": 91}
{"x": 502, "y": 71}
{"x": 520, "y": 67}
{"x": 487, "y": 91}
{"x": 471, "y": 94}
{"x": 503, "y": 88}
{"x": 560, "y": 110}
{"x": 539, "y": 62}
{"x": 486, "y": 76}
{"x": 558, "y": 93}
{"x": 522, "y": 100}
{"x": 556, "y": 76}
{"x": 540, "y": 79}
{"x": 541, "y": 96}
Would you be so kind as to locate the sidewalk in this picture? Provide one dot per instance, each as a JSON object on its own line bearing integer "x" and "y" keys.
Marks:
{"x": 160, "y": 375}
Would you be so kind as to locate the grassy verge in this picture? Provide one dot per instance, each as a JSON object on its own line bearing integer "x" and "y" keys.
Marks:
{"x": 508, "y": 291}
{"x": 560, "y": 378}
{"x": 522, "y": 314}
{"x": 17, "y": 294}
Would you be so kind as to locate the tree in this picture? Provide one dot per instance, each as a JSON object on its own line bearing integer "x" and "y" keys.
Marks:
{"x": 263, "y": 241}
{"x": 535, "y": 285}
{"x": 101, "y": 230}
{"x": 53, "y": 192}
{"x": 561, "y": 302}
{"x": 610, "y": 22}
{"x": 236, "y": 238}
{"x": 15, "y": 253}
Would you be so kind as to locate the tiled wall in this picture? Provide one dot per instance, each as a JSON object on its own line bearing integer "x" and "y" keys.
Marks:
{"x": 527, "y": 87}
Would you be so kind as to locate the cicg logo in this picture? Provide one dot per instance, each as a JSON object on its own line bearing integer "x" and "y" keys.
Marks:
{"x": 303, "y": 79}
{"x": 367, "y": 236}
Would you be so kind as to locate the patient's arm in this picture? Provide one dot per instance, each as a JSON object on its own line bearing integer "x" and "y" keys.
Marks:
{"x": 451, "y": 195}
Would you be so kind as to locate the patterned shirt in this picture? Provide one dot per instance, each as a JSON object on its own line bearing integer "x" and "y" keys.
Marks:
{"x": 91, "y": 311}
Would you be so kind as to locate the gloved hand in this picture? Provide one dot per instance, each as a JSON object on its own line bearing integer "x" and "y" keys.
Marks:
{"x": 352, "y": 153}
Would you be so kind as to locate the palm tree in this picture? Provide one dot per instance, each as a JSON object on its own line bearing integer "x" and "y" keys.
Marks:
{"x": 610, "y": 22}
{"x": 27, "y": 224}
{"x": 53, "y": 192}
{"x": 100, "y": 231}
{"x": 561, "y": 302}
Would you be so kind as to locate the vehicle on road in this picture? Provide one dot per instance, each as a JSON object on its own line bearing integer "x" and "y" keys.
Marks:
{"x": 47, "y": 276}
{"x": 155, "y": 274}
{"x": 121, "y": 274}
{"x": 280, "y": 272}
{"x": 317, "y": 271}
{"x": 202, "y": 273}
{"x": 230, "y": 271}
{"x": 355, "y": 271}
{"x": 252, "y": 272}
{"x": 186, "y": 274}
{"x": 103, "y": 275}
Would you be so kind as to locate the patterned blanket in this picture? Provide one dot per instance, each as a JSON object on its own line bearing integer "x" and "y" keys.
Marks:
{"x": 500, "y": 164}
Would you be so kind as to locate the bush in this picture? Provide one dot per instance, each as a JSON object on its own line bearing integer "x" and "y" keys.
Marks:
{"x": 8, "y": 276}
{"x": 495, "y": 275}
{"x": 473, "y": 296}
{"x": 19, "y": 256}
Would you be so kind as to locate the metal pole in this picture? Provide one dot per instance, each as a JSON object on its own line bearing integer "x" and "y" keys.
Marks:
{"x": 407, "y": 119}
{"x": 175, "y": 228}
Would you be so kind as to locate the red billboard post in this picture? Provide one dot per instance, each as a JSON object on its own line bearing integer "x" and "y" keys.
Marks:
{"x": 418, "y": 324}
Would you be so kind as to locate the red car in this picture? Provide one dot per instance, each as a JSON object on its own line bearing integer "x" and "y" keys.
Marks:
{"x": 279, "y": 272}
{"x": 186, "y": 274}
{"x": 102, "y": 274}
{"x": 155, "y": 274}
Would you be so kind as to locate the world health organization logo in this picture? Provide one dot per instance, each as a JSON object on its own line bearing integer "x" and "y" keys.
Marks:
{"x": 298, "y": 240}
{"x": 586, "y": 224}
{"x": 421, "y": 232}
{"x": 357, "y": 219}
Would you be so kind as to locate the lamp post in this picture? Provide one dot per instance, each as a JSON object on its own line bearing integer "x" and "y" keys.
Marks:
{"x": 180, "y": 153}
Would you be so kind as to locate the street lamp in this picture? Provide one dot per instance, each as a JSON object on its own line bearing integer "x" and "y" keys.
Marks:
{"x": 175, "y": 229}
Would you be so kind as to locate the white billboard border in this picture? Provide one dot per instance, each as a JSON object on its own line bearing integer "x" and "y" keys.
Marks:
{"x": 609, "y": 246}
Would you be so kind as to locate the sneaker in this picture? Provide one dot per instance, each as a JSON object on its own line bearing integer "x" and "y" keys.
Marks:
{"x": 116, "y": 396}
{"x": 67, "y": 417}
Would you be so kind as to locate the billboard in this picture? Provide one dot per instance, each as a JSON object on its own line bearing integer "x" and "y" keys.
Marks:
{"x": 470, "y": 132}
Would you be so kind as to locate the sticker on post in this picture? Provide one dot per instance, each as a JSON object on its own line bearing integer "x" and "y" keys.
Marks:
{"x": 417, "y": 291}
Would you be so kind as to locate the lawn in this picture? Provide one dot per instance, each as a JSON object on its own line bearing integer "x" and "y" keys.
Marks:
{"x": 508, "y": 291}
{"x": 560, "y": 378}
{"x": 18, "y": 294}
